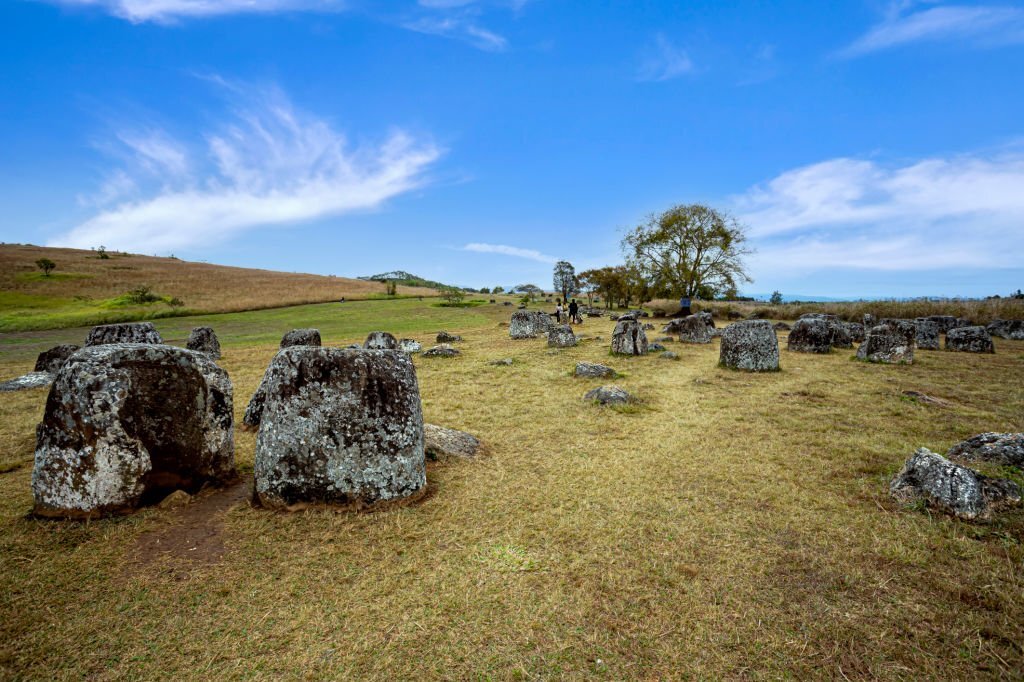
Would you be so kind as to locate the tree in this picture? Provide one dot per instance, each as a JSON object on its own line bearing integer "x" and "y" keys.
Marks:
{"x": 484, "y": 290}
{"x": 452, "y": 295}
{"x": 776, "y": 298}
{"x": 530, "y": 290}
{"x": 565, "y": 279}
{"x": 498, "y": 290}
{"x": 101, "y": 252}
{"x": 46, "y": 265}
{"x": 689, "y": 250}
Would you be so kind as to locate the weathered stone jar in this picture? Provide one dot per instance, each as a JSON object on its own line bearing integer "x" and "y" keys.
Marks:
{"x": 341, "y": 428}
{"x": 127, "y": 424}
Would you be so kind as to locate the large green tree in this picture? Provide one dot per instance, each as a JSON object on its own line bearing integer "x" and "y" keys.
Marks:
{"x": 689, "y": 250}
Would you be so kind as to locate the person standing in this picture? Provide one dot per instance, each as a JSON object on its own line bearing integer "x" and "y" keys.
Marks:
{"x": 558, "y": 311}
{"x": 574, "y": 312}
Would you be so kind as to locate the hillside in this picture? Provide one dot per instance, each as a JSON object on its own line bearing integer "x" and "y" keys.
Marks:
{"x": 86, "y": 289}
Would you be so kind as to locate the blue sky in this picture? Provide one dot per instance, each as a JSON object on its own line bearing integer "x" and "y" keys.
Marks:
{"x": 872, "y": 148}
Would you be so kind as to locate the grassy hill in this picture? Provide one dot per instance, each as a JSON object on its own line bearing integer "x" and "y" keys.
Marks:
{"x": 401, "y": 277}
{"x": 87, "y": 289}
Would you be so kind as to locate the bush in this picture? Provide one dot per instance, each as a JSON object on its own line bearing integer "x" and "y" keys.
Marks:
{"x": 142, "y": 295}
{"x": 46, "y": 265}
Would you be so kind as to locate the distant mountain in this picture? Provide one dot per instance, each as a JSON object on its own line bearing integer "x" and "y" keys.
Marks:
{"x": 404, "y": 278}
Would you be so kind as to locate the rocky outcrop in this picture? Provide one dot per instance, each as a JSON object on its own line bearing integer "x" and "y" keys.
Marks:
{"x": 1004, "y": 449}
{"x": 695, "y": 328}
{"x": 440, "y": 443}
{"x": 926, "y": 334}
{"x": 952, "y": 488}
{"x": 889, "y": 343}
{"x": 629, "y": 337}
{"x": 341, "y": 428}
{"x": 380, "y": 341}
{"x": 443, "y": 350}
{"x": 528, "y": 324}
{"x": 608, "y": 395}
{"x": 969, "y": 340}
{"x": 750, "y": 345}
{"x": 52, "y": 360}
{"x": 132, "y": 332}
{"x": 125, "y": 424}
{"x": 856, "y": 332}
{"x": 445, "y": 337}
{"x": 1007, "y": 329}
{"x": 561, "y": 336}
{"x": 593, "y": 370}
{"x": 204, "y": 340}
{"x": 945, "y": 322}
{"x": 301, "y": 337}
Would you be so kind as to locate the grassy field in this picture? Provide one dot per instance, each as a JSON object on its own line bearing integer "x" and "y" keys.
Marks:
{"x": 86, "y": 289}
{"x": 732, "y": 526}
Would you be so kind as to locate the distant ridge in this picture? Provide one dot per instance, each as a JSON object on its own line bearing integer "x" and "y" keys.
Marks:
{"x": 405, "y": 279}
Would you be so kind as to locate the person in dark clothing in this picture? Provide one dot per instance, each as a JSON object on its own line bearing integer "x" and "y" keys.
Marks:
{"x": 574, "y": 312}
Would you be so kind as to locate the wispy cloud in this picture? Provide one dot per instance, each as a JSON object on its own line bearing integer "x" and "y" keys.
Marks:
{"x": 961, "y": 211}
{"x": 980, "y": 25}
{"x": 664, "y": 61}
{"x": 515, "y": 251}
{"x": 459, "y": 28}
{"x": 166, "y": 11}
{"x": 272, "y": 164}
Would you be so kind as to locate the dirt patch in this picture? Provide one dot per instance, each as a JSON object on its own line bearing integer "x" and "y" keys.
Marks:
{"x": 192, "y": 532}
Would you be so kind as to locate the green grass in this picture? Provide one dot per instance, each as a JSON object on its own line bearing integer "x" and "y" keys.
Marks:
{"x": 52, "y": 277}
{"x": 739, "y": 526}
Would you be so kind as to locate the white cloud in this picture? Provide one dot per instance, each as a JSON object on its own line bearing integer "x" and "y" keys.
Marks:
{"x": 164, "y": 11}
{"x": 962, "y": 211}
{"x": 156, "y": 151}
{"x": 274, "y": 165}
{"x": 515, "y": 251}
{"x": 664, "y": 61}
{"x": 986, "y": 25}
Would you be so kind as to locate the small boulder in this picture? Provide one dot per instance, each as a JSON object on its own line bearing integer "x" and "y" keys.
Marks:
{"x": 443, "y": 350}
{"x": 301, "y": 337}
{"x": 179, "y": 498}
{"x": 889, "y": 343}
{"x": 440, "y": 443}
{"x": 608, "y": 395}
{"x": 629, "y": 337}
{"x": 810, "y": 335}
{"x": 1005, "y": 449}
{"x": 695, "y": 329}
{"x": 126, "y": 424}
{"x": 503, "y": 362}
{"x": 204, "y": 340}
{"x": 750, "y": 345}
{"x": 648, "y": 327}
{"x": 561, "y": 336}
{"x": 669, "y": 355}
{"x": 969, "y": 340}
{"x": 27, "y": 381}
{"x": 926, "y": 334}
{"x": 409, "y": 346}
{"x": 132, "y": 332}
{"x": 945, "y": 322}
{"x": 341, "y": 428}
{"x": 655, "y": 348}
{"x": 445, "y": 337}
{"x": 781, "y": 327}
{"x": 52, "y": 360}
{"x": 856, "y": 332}
{"x": 1007, "y": 329}
{"x": 869, "y": 321}
{"x": 593, "y": 370}
{"x": 380, "y": 341}
{"x": 952, "y": 488}
{"x": 528, "y": 324}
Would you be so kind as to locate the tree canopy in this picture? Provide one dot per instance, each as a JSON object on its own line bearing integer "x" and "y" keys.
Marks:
{"x": 565, "y": 279}
{"x": 689, "y": 250}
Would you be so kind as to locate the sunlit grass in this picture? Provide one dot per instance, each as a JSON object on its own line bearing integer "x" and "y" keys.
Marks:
{"x": 738, "y": 525}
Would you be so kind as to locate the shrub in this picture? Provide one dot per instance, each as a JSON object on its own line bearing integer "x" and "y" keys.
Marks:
{"x": 46, "y": 265}
{"x": 141, "y": 295}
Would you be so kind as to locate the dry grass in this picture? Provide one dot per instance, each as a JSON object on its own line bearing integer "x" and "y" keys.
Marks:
{"x": 977, "y": 310}
{"x": 736, "y": 527}
{"x": 79, "y": 292}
